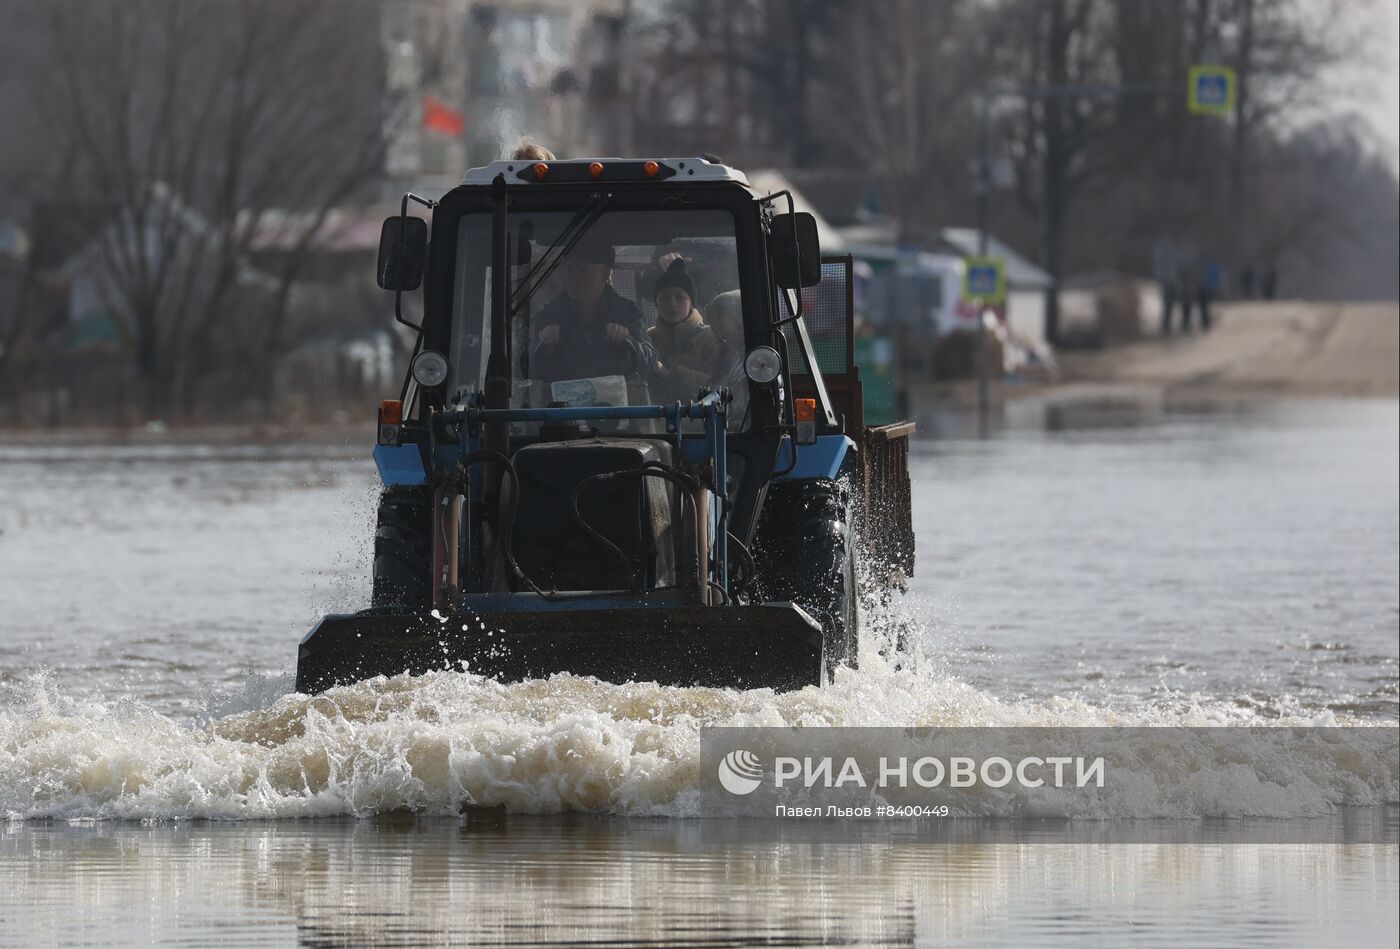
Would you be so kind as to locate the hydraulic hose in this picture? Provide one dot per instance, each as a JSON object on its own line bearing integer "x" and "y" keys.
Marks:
{"x": 653, "y": 469}
{"x": 508, "y": 522}
{"x": 792, "y": 465}
{"x": 718, "y": 587}
{"x": 750, "y": 570}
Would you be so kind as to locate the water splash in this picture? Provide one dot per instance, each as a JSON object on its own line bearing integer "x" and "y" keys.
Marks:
{"x": 432, "y": 743}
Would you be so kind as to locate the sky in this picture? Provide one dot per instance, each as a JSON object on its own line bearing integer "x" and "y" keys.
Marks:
{"x": 1389, "y": 118}
{"x": 1378, "y": 74}
{"x": 1384, "y": 110}
{"x": 1363, "y": 88}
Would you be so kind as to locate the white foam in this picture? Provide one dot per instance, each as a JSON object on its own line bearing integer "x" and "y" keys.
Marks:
{"x": 259, "y": 691}
{"x": 433, "y": 743}
{"x": 565, "y": 743}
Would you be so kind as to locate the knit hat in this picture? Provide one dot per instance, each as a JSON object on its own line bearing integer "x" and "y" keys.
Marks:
{"x": 675, "y": 276}
{"x": 591, "y": 251}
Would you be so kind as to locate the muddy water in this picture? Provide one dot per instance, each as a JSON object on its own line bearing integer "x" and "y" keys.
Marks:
{"x": 1186, "y": 569}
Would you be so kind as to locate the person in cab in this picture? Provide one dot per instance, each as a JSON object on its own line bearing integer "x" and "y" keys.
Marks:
{"x": 687, "y": 349}
{"x": 590, "y": 329}
{"x": 725, "y": 314}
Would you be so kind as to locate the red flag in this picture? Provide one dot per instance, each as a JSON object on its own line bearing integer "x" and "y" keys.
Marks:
{"x": 439, "y": 117}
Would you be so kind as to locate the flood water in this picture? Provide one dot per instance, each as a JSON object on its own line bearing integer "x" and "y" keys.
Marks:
{"x": 1247, "y": 557}
{"x": 161, "y": 783}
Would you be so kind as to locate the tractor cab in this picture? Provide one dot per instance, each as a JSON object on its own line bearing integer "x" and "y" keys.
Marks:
{"x": 616, "y": 452}
{"x": 584, "y": 322}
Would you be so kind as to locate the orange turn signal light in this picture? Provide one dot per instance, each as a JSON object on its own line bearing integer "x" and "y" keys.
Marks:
{"x": 390, "y": 412}
{"x": 541, "y": 169}
{"x": 805, "y": 410}
{"x": 595, "y": 169}
{"x": 650, "y": 169}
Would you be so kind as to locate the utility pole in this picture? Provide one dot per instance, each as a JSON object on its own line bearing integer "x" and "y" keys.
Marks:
{"x": 1243, "y": 66}
{"x": 983, "y": 186}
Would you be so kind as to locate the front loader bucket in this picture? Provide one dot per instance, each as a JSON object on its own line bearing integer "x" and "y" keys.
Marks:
{"x": 773, "y": 646}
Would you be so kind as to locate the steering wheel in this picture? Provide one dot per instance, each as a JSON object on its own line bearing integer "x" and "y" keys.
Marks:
{"x": 588, "y": 335}
{"x": 593, "y": 353}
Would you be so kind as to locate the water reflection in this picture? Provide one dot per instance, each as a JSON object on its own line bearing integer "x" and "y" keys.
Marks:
{"x": 581, "y": 880}
{"x": 1204, "y": 563}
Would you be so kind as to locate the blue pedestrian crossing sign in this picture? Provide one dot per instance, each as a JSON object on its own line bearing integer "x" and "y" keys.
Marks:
{"x": 1211, "y": 90}
{"x": 984, "y": 279}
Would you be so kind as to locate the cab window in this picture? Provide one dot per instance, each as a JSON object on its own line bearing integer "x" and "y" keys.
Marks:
{"x": 628, "y": 308}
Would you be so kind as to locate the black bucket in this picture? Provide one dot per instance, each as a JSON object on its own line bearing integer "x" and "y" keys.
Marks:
{"x": 775, "y": 646}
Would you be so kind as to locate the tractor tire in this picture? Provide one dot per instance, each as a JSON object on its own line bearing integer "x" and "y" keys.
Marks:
{"x": 805, "y": 552}
{"x": 403, "y": 550}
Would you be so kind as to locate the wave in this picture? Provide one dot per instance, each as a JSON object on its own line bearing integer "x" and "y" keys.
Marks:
{"x": 434, "y": 743}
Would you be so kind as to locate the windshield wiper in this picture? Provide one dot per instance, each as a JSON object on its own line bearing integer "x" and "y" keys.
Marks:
{"x": 583, "y": 219}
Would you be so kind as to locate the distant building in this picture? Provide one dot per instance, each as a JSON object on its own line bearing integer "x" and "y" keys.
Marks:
{"x": 1026, "y": 283}
{"x": 922, "y": 284}
{"x": 1101, "y": 308}
{"x": 96, "y": 289}
{"x": 466, "y": 80}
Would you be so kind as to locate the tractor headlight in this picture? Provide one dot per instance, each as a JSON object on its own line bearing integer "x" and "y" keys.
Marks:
{"x": 429, "y": 369}
{"x": 763, "y": 364}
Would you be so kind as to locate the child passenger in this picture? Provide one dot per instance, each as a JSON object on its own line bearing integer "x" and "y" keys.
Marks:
{"x": 688, "y": 349}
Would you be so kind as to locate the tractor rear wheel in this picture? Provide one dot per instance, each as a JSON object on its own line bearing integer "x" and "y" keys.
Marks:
{"x": 805, "y": 552}
{"x": 403, "y": 549}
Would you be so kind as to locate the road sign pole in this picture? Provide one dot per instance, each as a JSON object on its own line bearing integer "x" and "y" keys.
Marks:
{"x": 984, "y": 188}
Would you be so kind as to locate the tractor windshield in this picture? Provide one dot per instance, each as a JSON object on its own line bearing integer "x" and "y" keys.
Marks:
{"x": 617, "y": 308}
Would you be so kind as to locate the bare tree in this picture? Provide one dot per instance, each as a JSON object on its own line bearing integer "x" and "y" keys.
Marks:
{"x": 744, "y": 79}
{"x": 189, "y": 120}
{"x": 1060, "y": 58}
{"x": 905, "y": 85}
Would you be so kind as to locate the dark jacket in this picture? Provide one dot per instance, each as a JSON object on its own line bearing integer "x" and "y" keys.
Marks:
{"x": 584, "y": 349}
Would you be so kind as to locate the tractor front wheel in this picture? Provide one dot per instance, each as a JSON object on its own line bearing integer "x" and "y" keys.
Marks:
{"x": 805, "y": 552}
{"x": 403, "y": 550}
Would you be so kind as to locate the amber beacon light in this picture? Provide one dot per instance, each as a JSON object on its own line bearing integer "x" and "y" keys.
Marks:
{"x": 391, "y": 422}
{"x": 805, "y": 415}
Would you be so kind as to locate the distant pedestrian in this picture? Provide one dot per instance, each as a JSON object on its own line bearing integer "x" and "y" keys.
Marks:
{"x": 1188, "y": 299}
{"x": 1212, "y": 276}
{"x": 1246, "y": 285}
{"x": 1186, "y": 283}
{"x": 1268, "y": 283}
{"x": 1164, "y": 269}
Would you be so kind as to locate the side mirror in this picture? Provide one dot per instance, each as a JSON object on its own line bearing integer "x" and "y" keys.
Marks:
{"x": 403, "y": 246}
{"x": 796, "y": 252}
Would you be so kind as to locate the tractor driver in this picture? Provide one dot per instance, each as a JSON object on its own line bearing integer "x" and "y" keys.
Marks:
{"x": 590, "y": 329}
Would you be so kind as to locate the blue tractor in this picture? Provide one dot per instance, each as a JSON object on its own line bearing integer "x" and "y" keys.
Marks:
{"x": 568, "y": 487}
